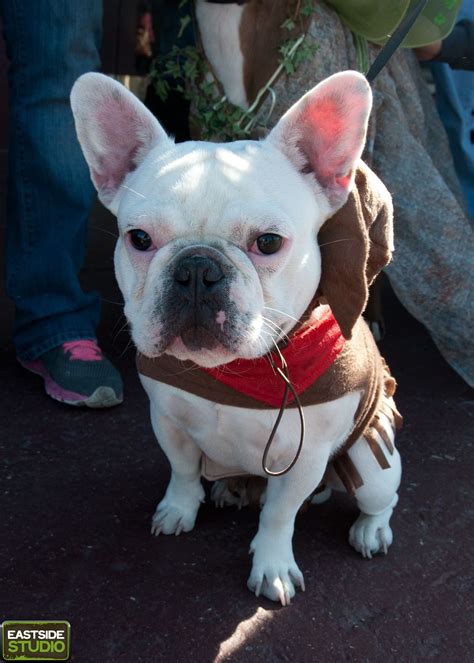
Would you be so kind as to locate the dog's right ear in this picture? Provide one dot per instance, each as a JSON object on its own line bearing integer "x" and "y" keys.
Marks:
{"x": 115, "y": 131}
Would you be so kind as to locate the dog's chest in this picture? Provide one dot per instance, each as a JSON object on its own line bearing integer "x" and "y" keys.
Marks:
{"x": 235, "y": 437}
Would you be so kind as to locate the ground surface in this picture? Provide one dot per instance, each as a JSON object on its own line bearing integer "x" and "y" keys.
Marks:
{"x": 78, "y": 489}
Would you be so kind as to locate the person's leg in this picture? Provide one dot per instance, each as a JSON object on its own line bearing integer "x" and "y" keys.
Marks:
{"x": 455, "y": 103}
{"x": 50, "y": 43}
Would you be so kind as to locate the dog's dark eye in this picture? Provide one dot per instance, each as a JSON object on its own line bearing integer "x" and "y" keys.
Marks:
{"x": 140, "y": 239}
{"x": 269, "y": 243}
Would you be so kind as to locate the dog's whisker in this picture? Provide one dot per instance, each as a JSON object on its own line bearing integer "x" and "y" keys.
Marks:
{"x": 127, "y": 347}
{"x": 273, "y": 325}
{"x": 268, "y": 353}
{"x": 122, "y": 329}
{"x": 270, "y": 331}
{"x": 268, "y": 358}
{"x": 275, "y": 339}
{"x": 277, "y": 349}
{"x": 188, "y": 369}
{"x": 137, "y": 193}
{"x": 118, "y": 322}
{"x": 109, "y": 301}
{"x": 264, "y": 340}
{"x": 106, "y": 232}
{"x": 269, "y": 308}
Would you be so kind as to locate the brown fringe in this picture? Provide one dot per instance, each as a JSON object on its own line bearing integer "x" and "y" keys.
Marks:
{"x": 348, "y": 473}
{"x": 391, "y": 412}
{"x": 377, "y": 424}
{"x": 376, "y": 450}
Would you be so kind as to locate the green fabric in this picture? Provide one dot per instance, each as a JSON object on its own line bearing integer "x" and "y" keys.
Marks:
{"x": 362, "y": 53}
{"x": 376, "y": 20}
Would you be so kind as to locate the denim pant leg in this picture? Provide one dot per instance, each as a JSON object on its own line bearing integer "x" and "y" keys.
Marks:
{"x": 455, "y": 103}
{"x": 49, "y": 43}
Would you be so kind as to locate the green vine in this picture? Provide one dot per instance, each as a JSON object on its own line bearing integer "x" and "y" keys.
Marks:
{"x": 186, "y": 71}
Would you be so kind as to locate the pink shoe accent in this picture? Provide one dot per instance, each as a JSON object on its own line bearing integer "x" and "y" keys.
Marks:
{"x": 52, "y": 387}
{"x": 83, "y": 349}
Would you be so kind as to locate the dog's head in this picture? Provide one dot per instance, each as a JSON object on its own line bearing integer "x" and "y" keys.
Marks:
{"x": 218, "y": 252}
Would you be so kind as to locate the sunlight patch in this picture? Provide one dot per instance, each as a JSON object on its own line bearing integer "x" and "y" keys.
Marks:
{"x": 243, "y": 633}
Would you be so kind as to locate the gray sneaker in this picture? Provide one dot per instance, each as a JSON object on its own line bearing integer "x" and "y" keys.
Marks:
{"x": 77, "y": 373}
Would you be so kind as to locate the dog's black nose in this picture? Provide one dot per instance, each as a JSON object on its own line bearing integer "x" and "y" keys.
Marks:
{"x": 197, "y": 276}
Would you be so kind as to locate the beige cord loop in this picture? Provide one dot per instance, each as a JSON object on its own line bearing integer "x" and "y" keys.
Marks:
{"x": 283, "y": 373}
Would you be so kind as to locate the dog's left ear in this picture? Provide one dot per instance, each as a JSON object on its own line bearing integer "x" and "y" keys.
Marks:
{"x": 323, "y": 134}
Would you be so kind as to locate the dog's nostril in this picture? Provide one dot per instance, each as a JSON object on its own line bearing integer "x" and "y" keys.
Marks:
{"x": 212, "y": 274}
{"x": 182, "y": 275}
{"x": 197, "y": 271}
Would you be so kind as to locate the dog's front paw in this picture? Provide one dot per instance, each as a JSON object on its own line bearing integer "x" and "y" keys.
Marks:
{"x": 275, "y": 573}
{"x": 177, "y": 512}
{"x": 371, "y": 534}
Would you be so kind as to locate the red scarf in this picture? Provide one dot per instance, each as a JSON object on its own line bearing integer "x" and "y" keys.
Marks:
{"x": 310, "y": 352}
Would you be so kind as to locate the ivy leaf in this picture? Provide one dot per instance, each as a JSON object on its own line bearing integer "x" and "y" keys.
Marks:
{"x": 184, "y": 22}
{"x": 307, "y": 8}
{"x": 289, "y": 24}
{"x": 162, "y": 88}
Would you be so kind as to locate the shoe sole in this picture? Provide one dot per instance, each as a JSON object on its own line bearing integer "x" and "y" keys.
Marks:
{"x": 102, "y": 397}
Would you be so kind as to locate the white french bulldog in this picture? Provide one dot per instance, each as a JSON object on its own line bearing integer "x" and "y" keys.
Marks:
{"x": 217, "y": 259}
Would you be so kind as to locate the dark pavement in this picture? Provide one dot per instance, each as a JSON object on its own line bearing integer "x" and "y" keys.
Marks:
{"x": 78, "y": 489}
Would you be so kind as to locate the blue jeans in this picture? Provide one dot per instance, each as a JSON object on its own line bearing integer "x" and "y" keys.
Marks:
{"x": 49, "y": 44}
{"x": 455, "y": 103}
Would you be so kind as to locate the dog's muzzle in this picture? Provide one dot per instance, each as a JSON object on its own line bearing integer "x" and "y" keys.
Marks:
{"x": 197, "y": 306}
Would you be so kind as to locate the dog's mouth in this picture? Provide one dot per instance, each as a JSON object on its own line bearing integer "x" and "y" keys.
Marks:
{"x": 197, "y": 338}
{"x": 203, "y": 329}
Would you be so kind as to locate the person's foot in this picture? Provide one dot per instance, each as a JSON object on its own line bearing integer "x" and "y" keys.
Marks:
{"x": 77, "y": 373}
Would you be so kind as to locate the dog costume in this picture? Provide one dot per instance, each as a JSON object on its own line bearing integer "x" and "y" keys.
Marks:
{"x": 331, "y": 351}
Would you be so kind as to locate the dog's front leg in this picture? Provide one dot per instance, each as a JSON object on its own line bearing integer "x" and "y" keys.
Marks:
{"x": 178, "y": 509}
{"x": 275, "y": 573}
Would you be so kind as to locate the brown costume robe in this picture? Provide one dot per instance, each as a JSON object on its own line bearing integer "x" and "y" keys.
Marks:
{"x": 359, "y": 367}
{"x": 356, "y": 243}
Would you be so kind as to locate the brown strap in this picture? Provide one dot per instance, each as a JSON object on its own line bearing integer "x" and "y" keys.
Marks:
{"x": 376, "y": 449}
{"x": 379, "y": 427}
{"x": 397, "y": 417}
{"x": 387, "y": 411}
{"x": 371, "y": 396}
{"x": 391, "y": 412}
{"x": 347, "y": 473}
